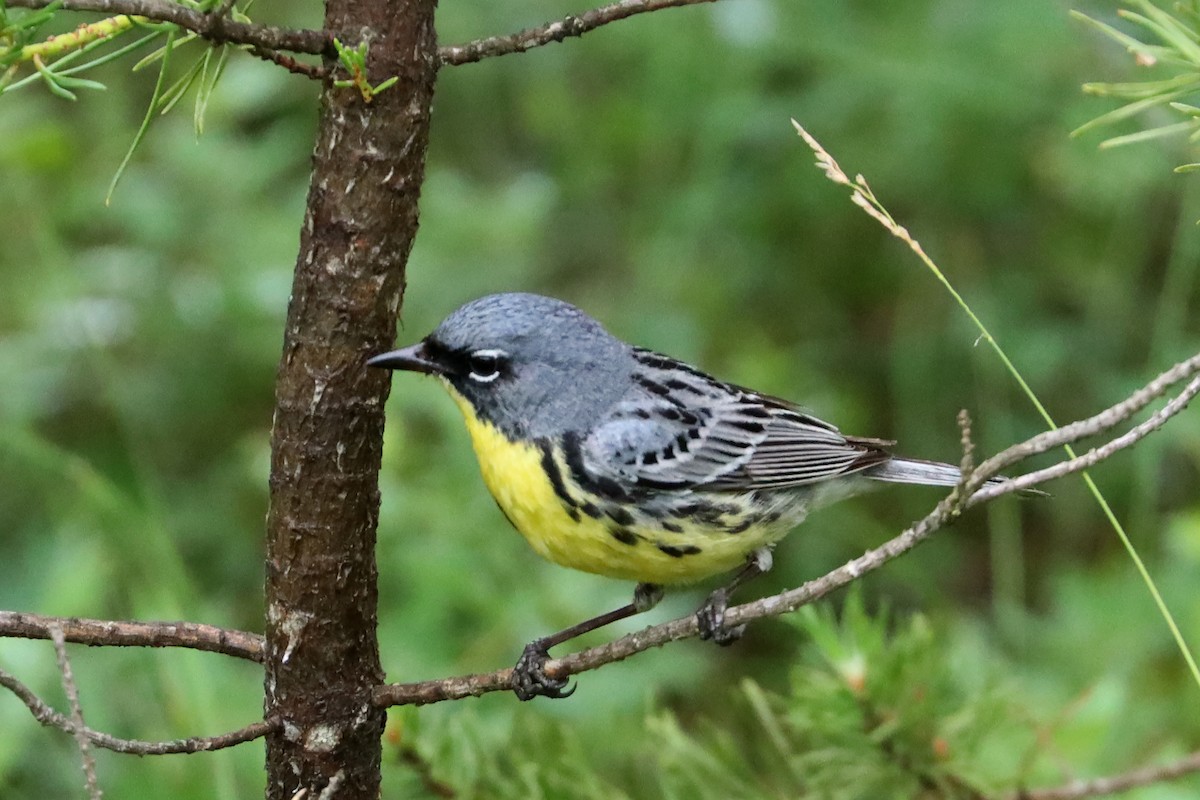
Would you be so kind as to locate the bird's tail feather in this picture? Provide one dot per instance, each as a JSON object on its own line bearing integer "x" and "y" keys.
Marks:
{"x": 918, "y": 471}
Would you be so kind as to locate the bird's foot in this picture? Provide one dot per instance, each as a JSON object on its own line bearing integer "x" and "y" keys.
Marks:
{"x": 529, "y": 678}
{"x": 711, "y": 619}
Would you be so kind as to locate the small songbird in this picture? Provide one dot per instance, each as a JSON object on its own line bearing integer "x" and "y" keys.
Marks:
{"x": 620, "y": 461}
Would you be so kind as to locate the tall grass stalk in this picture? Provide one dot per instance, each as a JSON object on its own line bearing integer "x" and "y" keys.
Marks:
{"x": 862, "y": 196}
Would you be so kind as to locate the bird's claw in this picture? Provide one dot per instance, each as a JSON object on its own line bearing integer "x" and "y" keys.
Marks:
{"x": 711, "y": 619}
{"x": 529, "y": 678}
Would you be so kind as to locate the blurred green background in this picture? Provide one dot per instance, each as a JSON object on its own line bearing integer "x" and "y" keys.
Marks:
{"x": 647, "y": 172}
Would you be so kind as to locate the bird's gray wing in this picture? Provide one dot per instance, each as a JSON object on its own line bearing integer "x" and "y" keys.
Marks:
{"x": 679, "y": 428}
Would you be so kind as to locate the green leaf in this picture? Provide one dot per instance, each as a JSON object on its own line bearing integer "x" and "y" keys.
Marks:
{"x": 1169, "y": 29}
{"x": 104, "y": 59}
{"x": 79, "y": 83}
{"x": 28, "y": 23}
{"x": 1131, "y": 44}
{"x": 178, "y": 89}
{"x": 208, "y": 84}
{"x": 1145, "y": 136}
{"x": 1191, "y": 111}
{"x": 53, "y": 82}
{"x": 160, "y": 53}
{"x": 1139, "y": 90}
{"x": 146, "y": 120}
{"x": 1127, "y": 111}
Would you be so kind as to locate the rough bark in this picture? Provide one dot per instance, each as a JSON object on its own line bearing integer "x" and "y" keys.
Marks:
{"x": 322, "y": 657}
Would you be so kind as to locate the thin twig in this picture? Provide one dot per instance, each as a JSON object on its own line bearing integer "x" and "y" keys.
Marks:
{"x": 216, "y": 28}
{"x": 46, "y": 715}
{"x": 266, "y": 41}
{"x": 945, "y": 512}
{"x": 556, "y": 31}
{"x": 72, "y": 691}
{"x": 1115, "y": 784}
{"x": 112, "y": 633}
{"x": 1095, "y": 455}
{"x": 1098, "y": 423}
{"x": 312, "y": 71}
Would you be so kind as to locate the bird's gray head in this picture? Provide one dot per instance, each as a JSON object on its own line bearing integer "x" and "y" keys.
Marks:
{"x": 530, "y": 365}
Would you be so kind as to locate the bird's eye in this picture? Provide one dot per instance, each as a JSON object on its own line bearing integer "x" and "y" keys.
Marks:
{"x": 486, "y": 365}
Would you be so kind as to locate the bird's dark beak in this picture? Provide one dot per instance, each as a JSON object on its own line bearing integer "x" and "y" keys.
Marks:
{"x": 412, "y": 359}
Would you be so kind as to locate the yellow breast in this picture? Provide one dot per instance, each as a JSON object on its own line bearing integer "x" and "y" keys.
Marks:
{"x": 647, "y": 553}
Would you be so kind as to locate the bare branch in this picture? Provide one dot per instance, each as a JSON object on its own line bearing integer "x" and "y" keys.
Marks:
{"x": 72, "y": 691}
{"x": 1093, "y": 425}
{"x": 1095, "y": 455}
{"x": 556, "y": 31}
{"x": 216, "y": 28}
{"x": 967, "y": 494}
{"x": 111, "y": 633}
{"x": 267, "y": 42}
{"x": 1098, "y": 787}
{"x": 46, "y": 715}
{"x": 312, "y": 71}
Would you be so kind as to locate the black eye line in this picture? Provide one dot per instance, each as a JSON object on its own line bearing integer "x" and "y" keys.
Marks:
{"x": 454, "y": 362}
{"x": 458, "y": 363}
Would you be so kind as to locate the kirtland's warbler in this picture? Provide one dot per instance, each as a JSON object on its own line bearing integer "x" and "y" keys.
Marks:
{"x": 623, "y": 462}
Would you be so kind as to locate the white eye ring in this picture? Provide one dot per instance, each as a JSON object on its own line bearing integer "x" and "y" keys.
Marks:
{"x": 485, "y": 365}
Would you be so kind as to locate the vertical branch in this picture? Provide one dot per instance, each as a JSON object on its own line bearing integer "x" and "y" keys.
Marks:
{"x": 322, "y": 656}
{"x": 72, "y": 690}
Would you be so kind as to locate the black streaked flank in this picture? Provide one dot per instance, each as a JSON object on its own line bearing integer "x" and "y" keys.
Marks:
{"x": 742, "y": 526}
{"x": 592, "y": 510}
{"x": 679, "y": 551}
{"x": 685, "y": 510}
{"x": 624, "y": 535}
{"x": 672, "y": 527}
{"x": 619, "y": 515}
{"x": 705, "y": 512}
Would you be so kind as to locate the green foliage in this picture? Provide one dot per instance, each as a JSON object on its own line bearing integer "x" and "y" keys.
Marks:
{"x": 647, "y": 172}
{"x": 354, "y": 59}
{"x": 54, "y": 61}
{"x": 870, "y": 714}
{"x": 1178, "y": 56}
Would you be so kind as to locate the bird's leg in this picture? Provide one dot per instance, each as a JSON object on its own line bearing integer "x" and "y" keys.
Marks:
{"x": 711, "y": 614}
{"x": 529, "y": 678}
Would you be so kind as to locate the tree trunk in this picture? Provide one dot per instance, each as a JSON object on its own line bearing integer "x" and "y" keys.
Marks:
{"x": 322, "y": 654}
